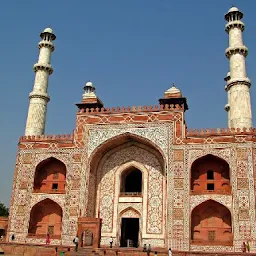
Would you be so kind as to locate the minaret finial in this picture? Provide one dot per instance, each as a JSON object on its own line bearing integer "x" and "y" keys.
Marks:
{"x": 237, "y": 82}
{"x": 39, "y": 97}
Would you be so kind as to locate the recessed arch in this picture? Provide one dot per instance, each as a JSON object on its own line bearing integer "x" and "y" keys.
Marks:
{"x": 211, "y": 223}
{"x": 109, "y": 147}
{"x": 210, "y": 174}
{"x": 104, "y": 181}
{"x": 50, "y": 176}
{"x": 121, "y": 175}
{"x": 45, "y": 218}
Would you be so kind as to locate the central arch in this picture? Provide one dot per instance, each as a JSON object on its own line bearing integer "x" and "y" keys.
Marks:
{"x": 105, "y": 186}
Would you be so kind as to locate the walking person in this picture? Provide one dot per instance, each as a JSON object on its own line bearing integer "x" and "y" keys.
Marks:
{"x": 170, "y": 252}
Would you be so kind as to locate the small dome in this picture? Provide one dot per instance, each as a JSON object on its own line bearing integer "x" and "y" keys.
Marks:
{"x": 48, "y": 30}
{"x": 233, "y": 9}
{"x": 89, "y": 84}
{"x": 173, "y": 92}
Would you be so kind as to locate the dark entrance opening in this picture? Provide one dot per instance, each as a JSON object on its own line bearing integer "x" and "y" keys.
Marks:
{"x": 2, "y": 232}
{"x": 129, "y": 232}
{"x": 131, "y": 181}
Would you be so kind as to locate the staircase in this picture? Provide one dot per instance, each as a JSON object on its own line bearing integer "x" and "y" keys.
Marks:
{"x": 139, "y": 252}
{"x": 84, "y": 252}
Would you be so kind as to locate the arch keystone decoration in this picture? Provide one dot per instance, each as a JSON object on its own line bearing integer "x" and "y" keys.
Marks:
{"x": 129, "y": 213}
{"x": 225, "y": 200}
{"x": 58, "y": 199}
{"x": 223, "y": 154}
{"x": 156, "y": 136}
{"x": 41, "y": 159}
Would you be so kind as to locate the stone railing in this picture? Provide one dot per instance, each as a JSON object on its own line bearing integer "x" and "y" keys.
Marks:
{"x": 62, "y": 137}
{"x": 220, "y": 132}
{"x": 41, "y": 236}
{"x": 130, "y": 194}
{"x": 49, "y": 191}
{"x": 115, "y": 110}
{"x": 216, "y": 191}
{"x": 209, "y": 243}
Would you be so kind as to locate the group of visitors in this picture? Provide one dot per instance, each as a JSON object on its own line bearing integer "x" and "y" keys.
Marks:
{"x": 75, "y": 241}
{"x": 246, "y": 247}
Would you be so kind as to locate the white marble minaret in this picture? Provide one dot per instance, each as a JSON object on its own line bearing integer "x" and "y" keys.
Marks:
{"x": 39, "y": 97}
{"x": 237, "y": 82}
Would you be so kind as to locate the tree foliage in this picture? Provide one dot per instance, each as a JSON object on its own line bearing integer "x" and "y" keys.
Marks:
{"x": 4, "y": 211}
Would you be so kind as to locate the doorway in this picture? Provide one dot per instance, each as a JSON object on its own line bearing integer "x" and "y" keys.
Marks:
{"x": 129, "y": 232}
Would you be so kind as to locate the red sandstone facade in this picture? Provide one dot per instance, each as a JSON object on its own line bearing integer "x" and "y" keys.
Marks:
{"x": 205, "y": 182}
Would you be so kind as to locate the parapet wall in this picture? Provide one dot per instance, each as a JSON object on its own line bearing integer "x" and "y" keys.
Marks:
{"x": 115, "y": 110}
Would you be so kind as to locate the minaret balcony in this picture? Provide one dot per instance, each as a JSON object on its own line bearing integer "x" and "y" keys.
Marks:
{"x": 41, "y": 95}
{"x": 236, "y": 81}
{"x": 233, "y": 50}
{"x": 234, "y": 24}
{"x": 43, "y": 66}
{"x": 47, "y": 44}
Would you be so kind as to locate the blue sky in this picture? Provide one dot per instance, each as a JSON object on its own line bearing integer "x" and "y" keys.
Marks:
{"x": 132, "y": 50}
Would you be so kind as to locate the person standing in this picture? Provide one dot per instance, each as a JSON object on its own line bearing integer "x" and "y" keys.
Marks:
{"x": 76, "y": 241}
{"x": 149, "y": 250}
{"x": 111, "y": 242}
{"x": 248, "y": 247}
{"x": 12, "y": 237}
{"x": 170, "y": 252}
{"x": 48, "y": 238}
{"x": 244, "y": 247}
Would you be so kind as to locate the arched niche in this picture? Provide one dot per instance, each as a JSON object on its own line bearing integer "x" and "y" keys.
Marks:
{"x": 211, "y": 223}
{"x": 131, "y": 182}
{"x": 210, "y": 174}
{"x": 50, "y": 176}
{"x": 45, "y": 218}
